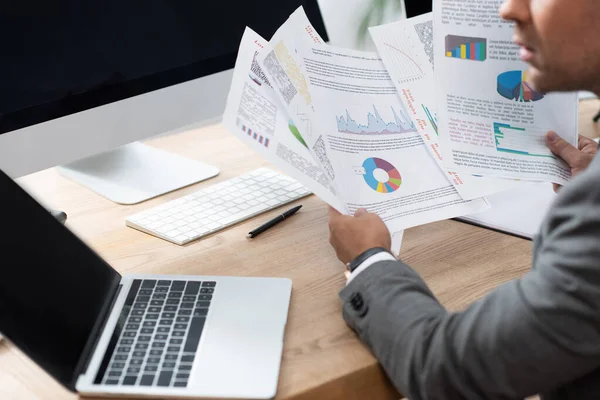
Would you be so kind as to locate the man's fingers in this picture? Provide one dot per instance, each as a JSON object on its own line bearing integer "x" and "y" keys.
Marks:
{"x": 563, "y": 149}
{"x": 360, "y": 211}
{"x": 557, "y": 187}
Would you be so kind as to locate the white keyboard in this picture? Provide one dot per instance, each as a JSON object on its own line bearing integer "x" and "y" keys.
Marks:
{"x": 218, "y": 206}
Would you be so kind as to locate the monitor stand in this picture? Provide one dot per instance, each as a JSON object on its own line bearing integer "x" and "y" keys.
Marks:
{"x": 136, "y": 172}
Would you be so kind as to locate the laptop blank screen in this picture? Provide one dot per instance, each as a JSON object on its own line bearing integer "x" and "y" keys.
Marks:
{"x": 53, "y": 287}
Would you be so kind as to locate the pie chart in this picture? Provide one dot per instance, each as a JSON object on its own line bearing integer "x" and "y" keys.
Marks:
{"x": 513, "y": 85}
{"x": 381, "y": 176}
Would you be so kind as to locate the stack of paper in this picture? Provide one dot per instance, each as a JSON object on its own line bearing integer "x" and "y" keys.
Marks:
{"x": 382, "y": 131}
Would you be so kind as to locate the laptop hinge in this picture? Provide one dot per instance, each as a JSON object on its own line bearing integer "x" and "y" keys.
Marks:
{"x": 94, "y": 338}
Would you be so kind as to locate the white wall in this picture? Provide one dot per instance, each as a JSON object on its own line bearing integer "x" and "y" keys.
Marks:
{"x": 343, "y": 18}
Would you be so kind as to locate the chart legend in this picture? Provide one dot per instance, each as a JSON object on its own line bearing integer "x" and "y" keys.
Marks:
{"x": 513, "y": 85}
{"x": 381, "y": 176}
{"x": 523, "y": 141}
{"x": 466, "y": 48}
{"x": 375, "y": 124}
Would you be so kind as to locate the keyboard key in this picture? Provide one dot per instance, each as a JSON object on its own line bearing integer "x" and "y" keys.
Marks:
{"x": 185, "y": 367}
{"x": 147, "y": 330}
{"x": 178, "y": 333}
{"x": 182, "y": 319}
{"x": 173, "y": 349}
{"x": 166, "y": 322}
{"x": 139, "y": 354}
{"x": 135, "y": 370}
{"x": 140, "y": 306}
{"x": 175, "y": 341}
{"x": 158, "y": 345}
{"x": 175, "y": 294}
{"x": 118, "y": 365}
{"x": 185, "y": 312}
{"x": 182, "y": 376}
{"x": 141, "y": 346}
{"x": 207, "y": 290}
{"x": 123, "y": 349}
{"x": 173, "y": 301}
{"x": 137, "y": 312}
{"x": 153, "y": 360}
{"x": 150, "y": 368}
{"x": 121, "y": 357}
{"x": 202, "y": 304}
{"x": 159, "y": 296}
{"x": 164, "y": 379}
{"x": 154, "y": 309}
{"x": 147, "y": 380}
{"x": 192, "y": 288}
{"x": 144, "y": 339}
{"x": 157, "y": 302}
{"x": 161, "y": 337}
{"x": 111, "y": 382}
{"x": 132, "y": 326}
{"x": 129, "y": 334}
{"x": 143, "y": 299}
{"x": 168, "y": 365}
{"x": 162, "y": 329}
{"x": 187, "y": 305}
{"x": 168, "y": 315}
{"x": 189, "y": 298}
{"x": 126, "y": 341}
{"x": 148, "y": 284}
{"x": 193, "y": 337}
{"x": 187, "y": 358}
{"x": 145, "y": 292}
{"x": 161, "y": 290}
{"x": 180, "y": 384}
{"x": 200, "y": 312}
{"x": 135, "y": 319}
{"x": 136, "y": 361}
{"x": 156, "y": 352}
{"x": 204, "y": 297}
{"x": 115, "y": 373}
{"x": 171, "y": 357}
{"x": 148, "y": 324}
{"x": 177, "y": 286}
{"x": 129, "y": 380}
{"x": 164, "y": 283}
{"x": 152, "y": 316}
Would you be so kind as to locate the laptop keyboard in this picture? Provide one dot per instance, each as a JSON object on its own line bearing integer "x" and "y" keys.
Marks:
{"x": 156, "y": 338}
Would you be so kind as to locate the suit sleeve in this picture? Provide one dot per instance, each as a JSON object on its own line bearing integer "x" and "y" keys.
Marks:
{"x": 528, "y": 336}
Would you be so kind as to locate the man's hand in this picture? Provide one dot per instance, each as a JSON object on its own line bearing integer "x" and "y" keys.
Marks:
{"x": 352, "y": 236}
{"x": 577, "y": 159}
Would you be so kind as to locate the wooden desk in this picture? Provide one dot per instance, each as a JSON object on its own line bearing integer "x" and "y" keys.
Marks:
{"x": 322, "y": 357}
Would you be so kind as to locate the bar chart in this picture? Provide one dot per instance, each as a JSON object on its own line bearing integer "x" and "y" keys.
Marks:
{"x": 466, "y": 48}
{"x": 522, "y": 141}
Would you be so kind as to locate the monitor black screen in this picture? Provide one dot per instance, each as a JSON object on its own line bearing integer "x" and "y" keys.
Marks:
{"x": 64, "y": 56}
{"x": 417, "y": 7}
{"x": 54, "y": 291}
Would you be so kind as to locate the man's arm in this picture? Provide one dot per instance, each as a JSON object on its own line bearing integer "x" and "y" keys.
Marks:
{"x": 526, "y": 337}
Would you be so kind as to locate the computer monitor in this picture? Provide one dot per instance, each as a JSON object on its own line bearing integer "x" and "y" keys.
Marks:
{"x": 417, "y": 7}
{"x": 80, "y": 80}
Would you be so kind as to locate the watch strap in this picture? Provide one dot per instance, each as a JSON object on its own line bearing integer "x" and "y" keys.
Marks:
{"x": 352, "y": 265}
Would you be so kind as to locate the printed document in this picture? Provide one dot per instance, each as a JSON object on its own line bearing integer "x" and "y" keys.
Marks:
{"x": 406, "y": 48}
{"x": 348, "y": 109}
{"x": 492, "y": 120}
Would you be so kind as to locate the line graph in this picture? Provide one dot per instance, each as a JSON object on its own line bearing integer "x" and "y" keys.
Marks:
{"x": 405, "y": 59}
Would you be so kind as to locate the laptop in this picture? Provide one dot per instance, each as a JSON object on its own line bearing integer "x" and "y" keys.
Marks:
{"x": 102, "y": 334}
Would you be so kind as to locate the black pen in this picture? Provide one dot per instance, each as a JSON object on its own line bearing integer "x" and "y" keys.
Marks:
{"x": 273, "y": 222}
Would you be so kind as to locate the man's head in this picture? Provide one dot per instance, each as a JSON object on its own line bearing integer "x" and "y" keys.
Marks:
{"x": 560, "y": 39}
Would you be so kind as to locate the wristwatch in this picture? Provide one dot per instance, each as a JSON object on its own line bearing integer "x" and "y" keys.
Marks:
{"x": 352, "y": 265}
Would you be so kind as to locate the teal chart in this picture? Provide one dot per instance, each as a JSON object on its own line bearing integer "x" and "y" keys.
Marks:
{"x": 376, "y": 124}
{"x": 523, "y": 141}
{"x": 381, "y": 176}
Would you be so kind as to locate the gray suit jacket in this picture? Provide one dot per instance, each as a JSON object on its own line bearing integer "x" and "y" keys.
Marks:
{"x": 539, "y": 334}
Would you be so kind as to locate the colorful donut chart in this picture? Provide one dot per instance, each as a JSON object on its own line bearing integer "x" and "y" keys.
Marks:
{"x": 394, "y": 182}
